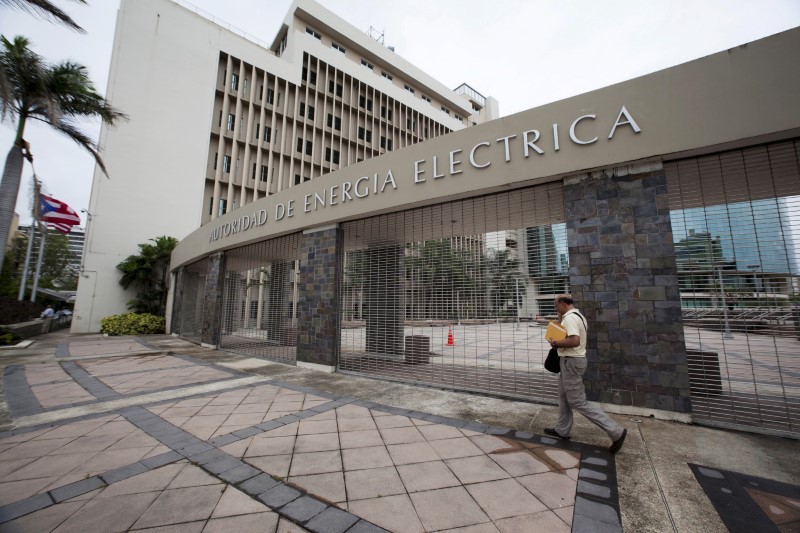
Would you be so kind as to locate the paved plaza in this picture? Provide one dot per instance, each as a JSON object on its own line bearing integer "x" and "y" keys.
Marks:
{"x": 158, "y": 434}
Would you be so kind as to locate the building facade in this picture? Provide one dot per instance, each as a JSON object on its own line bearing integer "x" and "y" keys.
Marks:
{"x": 265, "y": 117}
{"x": 668, "y": 205}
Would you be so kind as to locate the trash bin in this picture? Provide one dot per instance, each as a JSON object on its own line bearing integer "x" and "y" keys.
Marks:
{"x": 418, "y": 349}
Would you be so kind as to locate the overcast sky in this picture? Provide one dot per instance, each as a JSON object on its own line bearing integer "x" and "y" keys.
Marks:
{"x": 525, "y": 53}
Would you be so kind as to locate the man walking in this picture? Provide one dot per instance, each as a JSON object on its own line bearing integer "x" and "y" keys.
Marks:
{"x": 571, "y": 392}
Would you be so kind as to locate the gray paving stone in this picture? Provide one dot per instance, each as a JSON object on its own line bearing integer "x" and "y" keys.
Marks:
{"x": 161, "y": 459}
{"x": 278, "y": 496}
{"x": 585, "y": 524}
{"x": 331, "y": 520}
{"x": 362, "y": 526}
{"x": 258, "y": 484}
{"x": 596, "y": 461}
{"x": 248, "y": 432}
{"x": 222, "y": 440}
{"x": 239, "y": 473}
{"x": 222, "y": 464}
{"x": 597, "y": 511}
{"x": 194, "y": 449}
{"x": 118, "y": 474}
{"x": 592, "y": 489}
{"x": 209, "y": 457}
{"x": 76, "y": 489}
{"x": 303, "y": 509}
{"x": 271, "y": 424}
{"x": 474, "y": 426}
{"x": 287, "y": 419}
{"x": 26, "y": 506}
{"x": 588, "y": 473}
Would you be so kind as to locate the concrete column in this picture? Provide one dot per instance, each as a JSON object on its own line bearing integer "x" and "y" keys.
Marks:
{"x": 624, "y": 278}
{"x": 318, "y": 307}
{"x": 212, "y": 300}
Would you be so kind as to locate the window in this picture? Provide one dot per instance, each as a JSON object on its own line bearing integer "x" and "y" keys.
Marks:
{"x": 361, "y": 132}
{"x": 334, "y": 122}
{"x": 308, "y": 145}
{"x": 223, "y": 205}
{"x": 447, "y": 111}
{"x": 386, "y": 75}
{"x": 338, "y": 47}
{"x": 364, "y": 134}
{"x": 386, "y": 113}
{"x": 367, "y": 64}
{"x": 297, "y": 179}
{"x": 386, "y": 143}
{"x": 335, "y": 87}
{"x": 267, "y": 134}
{"x": 253, "y": 175}
{"x": 409, "y": 88}
{"x": 211, "y": 206}
{"x": 458, "y": 118}
{"x": 426, "y": 98}
{"x": 258, "y": 129}
{"x": 302, "y": 109}
{"x": 261, "y": 92}
{"x": 234, "y": 81}
{"x": 332, "y": 155}
{"x": 226, "y": 163}
{"x": 313, "y": 33}
{"x": 216, "y": 156}
{"x": 263, "y": 173}
{"x": 220, "y": 119}
{"x": 365, "y": 102}
{"x": 231, "y": 121}
{"x": 270, "y": 95}
{"x": 311, "y": 78}
{"x": 311, "y": 112}
{"x": 244, "y": 86}
{"x": 411, "y": 124}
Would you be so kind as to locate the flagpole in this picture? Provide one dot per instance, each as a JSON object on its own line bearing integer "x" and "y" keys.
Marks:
{"x": 43, "y": 231}
{"x": 22, "y": 283}
{"x": 31, "y": 233}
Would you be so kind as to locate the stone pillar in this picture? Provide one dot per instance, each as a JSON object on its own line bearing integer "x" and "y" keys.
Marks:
{"x": 624, "y": 278}
{"x": 383, "y": 299}
{"x": 318, "y": 309}
{"x": 177, "y": 300}
{"x": 212, "y": 300}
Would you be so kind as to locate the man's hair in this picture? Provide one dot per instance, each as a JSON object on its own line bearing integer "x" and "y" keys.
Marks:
{"x": 565, "y": 300}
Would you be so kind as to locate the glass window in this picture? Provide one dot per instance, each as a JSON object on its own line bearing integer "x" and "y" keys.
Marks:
{"x": 226, "y": 163}
{"x": 338, "y": 47}
{"x": 234, "y": 81}
{"x": 231, "y": 122}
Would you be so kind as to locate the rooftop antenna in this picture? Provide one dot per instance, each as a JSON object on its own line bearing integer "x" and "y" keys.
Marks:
{"x": 376, "y": 34}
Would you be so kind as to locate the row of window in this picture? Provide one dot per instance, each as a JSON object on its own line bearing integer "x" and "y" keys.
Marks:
{"x": 364, "y": 62}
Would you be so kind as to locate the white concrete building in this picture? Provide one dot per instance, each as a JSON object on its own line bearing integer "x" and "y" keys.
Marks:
{"x": 218, "y": 121}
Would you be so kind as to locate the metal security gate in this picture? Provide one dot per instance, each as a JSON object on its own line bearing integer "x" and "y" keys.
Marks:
{"x": 736, "y": 231}
{"x": 456, "y": 295}
{"x": 192, "y": 294}
{"x": 259, "y": 316}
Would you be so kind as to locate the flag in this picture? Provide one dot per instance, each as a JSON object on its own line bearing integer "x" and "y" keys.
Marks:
{"x": 57, "y": 215}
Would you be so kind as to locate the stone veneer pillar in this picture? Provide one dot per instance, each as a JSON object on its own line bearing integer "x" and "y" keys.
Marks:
{"x": 212, "y": 300}
{"x": 623, "y": 277}
{"x": 177, "y": 301}
{"x": 318, "y": 310}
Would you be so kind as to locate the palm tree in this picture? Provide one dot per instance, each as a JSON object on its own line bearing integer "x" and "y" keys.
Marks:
{"x": 45, "y": 9}
{"x": 54, "y": 94}
{"x": 149, "y": 273}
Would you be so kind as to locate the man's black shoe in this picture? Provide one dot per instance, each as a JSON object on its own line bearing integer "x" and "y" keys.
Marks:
{"x": 553, "y": 433}
{"x": 618, "y": 443}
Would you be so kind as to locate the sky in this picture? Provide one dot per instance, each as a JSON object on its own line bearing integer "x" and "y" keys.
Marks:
{"x": 524, "y": 53}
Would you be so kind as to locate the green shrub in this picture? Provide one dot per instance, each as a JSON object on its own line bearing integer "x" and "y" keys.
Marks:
{"x": 133, "y": 324}
{"x": 9, "y": 339}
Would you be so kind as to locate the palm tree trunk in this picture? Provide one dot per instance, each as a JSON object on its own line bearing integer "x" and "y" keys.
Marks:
{"x": 9, "y": 189}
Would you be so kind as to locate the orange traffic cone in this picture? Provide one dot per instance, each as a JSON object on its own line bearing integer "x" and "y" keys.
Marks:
{"x": 450, "y": 341}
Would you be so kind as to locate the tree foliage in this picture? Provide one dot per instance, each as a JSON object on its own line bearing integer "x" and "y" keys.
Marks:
{"x": 58, "y": 95}
{"x": 148, "y": 273}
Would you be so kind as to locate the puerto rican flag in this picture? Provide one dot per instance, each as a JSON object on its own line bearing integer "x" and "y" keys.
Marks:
{"x": 57, "y": 215}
